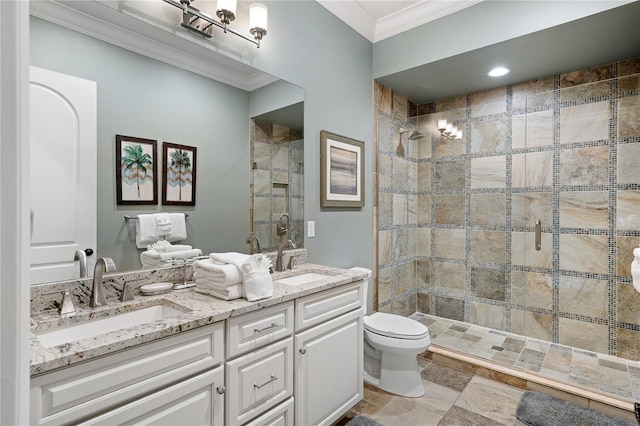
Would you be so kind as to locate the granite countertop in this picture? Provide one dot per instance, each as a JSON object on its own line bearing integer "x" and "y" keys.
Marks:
{"x": 199, "y": 310}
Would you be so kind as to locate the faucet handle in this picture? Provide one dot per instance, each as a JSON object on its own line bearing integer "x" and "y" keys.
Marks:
{"x": 66, "y": 305}
{"x": 293, "y": 260}
{"x": 126, "y": 294}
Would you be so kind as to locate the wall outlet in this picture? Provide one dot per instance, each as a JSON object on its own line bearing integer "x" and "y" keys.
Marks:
{"x": 311, "y": 229}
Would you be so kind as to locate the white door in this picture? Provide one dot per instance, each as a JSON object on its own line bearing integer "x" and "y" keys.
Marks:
{"x": 63, "y": 173}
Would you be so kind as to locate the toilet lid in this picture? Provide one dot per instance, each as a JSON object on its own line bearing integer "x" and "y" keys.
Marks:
{"x": 397, "y": 326}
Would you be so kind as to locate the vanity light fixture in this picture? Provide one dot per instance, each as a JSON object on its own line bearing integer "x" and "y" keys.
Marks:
{"x": 448, "y": 130}
{"x": 201, "y": 23}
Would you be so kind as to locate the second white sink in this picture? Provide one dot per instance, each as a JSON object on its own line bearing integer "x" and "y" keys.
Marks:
{"x": 305, "y": 278}
{"x": 95, "y": 327}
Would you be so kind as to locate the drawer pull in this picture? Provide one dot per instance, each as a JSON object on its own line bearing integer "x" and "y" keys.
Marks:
{"x": 303, "y": 351}
{"x": 260, "y": 330}
{"x": 221, "y": 389}
{"x": 272, "y": 379}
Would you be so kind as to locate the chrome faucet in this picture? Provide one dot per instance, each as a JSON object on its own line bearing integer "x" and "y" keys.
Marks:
{"x": 81, "y": 257}
{"x": 279, "y": 259}
{"x": 103, "y": 264}
{"x": 250, "y": 241}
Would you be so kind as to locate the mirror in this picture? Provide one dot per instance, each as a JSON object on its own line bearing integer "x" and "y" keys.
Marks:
{"x": 146, "y": 98}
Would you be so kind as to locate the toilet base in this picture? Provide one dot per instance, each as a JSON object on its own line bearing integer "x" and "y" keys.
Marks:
{"x": 399, "y": 374}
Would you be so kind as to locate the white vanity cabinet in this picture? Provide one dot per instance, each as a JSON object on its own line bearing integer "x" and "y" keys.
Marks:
{"x": 175, "y": 376}
{"x": 329, "y": 354}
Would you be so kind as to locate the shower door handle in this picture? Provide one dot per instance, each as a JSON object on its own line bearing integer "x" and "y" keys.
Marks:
{"x": 538, "y": 241}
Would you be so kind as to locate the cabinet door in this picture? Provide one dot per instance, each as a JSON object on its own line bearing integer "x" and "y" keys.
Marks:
{"x": 196, "y": 401}
{"x": 329, "y": 369}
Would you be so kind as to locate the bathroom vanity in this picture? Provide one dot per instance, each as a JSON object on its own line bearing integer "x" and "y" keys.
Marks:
{"x": 295, "y": 358}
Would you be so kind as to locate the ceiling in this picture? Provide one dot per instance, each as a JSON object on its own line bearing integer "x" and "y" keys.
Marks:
{"x": 595, "y": 40}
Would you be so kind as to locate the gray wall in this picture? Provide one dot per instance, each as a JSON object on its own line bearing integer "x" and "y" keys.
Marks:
{"x": 141, "y": 97}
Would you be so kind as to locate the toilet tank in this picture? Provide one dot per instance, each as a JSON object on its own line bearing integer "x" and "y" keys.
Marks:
{"x": 367, "y": 303}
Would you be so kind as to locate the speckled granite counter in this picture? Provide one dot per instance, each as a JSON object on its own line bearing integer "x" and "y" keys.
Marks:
{"x": 199, "y": 310}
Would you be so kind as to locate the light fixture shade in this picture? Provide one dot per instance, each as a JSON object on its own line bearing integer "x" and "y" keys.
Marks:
{"x": 258, "y": 16}
{"x": 442, "y": 124}
{"x": 228, "y": 5}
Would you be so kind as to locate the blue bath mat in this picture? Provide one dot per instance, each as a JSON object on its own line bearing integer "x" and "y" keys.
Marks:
{"x": 537, "y": 409}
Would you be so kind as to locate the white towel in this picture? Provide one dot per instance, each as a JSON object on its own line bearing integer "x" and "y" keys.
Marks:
{"x": 257, "y": 280}
{"x": 163, "y": 224}
{"x": 166, "y": 246}
{"x": 146, "y": 232}
{"x": 231, "y": 257}
{"x": 229, "y": 292}
{"x": 178, "y": 227}
{"x": 152, "y": 259}
{"x": 219, "y": 273}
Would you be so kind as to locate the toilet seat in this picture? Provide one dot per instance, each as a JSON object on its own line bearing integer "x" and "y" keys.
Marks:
{"x": 395, "y": 326}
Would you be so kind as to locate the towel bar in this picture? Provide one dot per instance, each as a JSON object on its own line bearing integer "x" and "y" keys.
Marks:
{"x": 128, "y": 218}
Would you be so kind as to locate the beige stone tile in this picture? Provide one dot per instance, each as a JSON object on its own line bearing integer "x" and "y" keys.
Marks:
{"x": 587, "y": 122}
{"x": 534, "y": 169}
{"x": 493, "y": 400}
{"x": 449, "y": 277}
{"x": 488, "y": 246}
{"x": 584, "y": 166}
{"x": 489, "y": 136}
{"x": 629, "y": 117}
{"x": 400, "y": 209}
{"x": 628, "y": 304}
{"x": 447, "y": 377}
{"x": 488, "y": 102}
{"x": 385, "y": 246}
{"x": 580, "y": 334}
{"x": 523, "y": 250}
{"x": 488, "y": 172}
{"x": 450, "y": 175}
{"x": 532, "y": 324}
{"x": 490, "y": 316}
{"x": 450, "y": 243}
{"x": 628, "y": 344}
{"x": 585, "y": 253}
{"x": 450, "y": 148}
{"x": 400, "y": 175}
{"x": 532, "y": 130}
{"x": 423, "y": 245}
{"x": 628, "y": 209}
{"x": 424, "y": 176}
{"x": 532, "y": 289}
{"x": 584, "y": 209}
{"x": 399, "y": 106}
{"x": 450, "y": 209}
{"x": 383, "y": 97}
{"x": 385, "y": 212}
{"x": 628, "y": 170}
{"x": 385, "y": 176}
{"x": 488, "y": 209}
{"x": 424, "y": 210}
{"x": 533, "y": 94}
{"x": 531, "y": 206}
{"x": 385, "y": 287}
{"x": 408, "y": 411}
{"x": 457, "y": 416}
{"x": 584, "y": 296}
{"x": 624, "y": 249}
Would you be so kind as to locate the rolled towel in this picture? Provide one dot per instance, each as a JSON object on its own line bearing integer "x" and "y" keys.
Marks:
{"x": 163, "y": 224}
{"x": 221, "y": 273}
{"x": 257, "y": 280}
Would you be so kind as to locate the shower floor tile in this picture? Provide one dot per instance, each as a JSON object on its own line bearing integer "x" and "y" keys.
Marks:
{"x": 596, "y": 372}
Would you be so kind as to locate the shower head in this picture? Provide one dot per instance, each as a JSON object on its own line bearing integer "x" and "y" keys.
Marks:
{"x": 414, "y": 135}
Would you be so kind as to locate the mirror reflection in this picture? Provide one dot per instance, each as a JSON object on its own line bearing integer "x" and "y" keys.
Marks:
{"x": 144, "y": 98}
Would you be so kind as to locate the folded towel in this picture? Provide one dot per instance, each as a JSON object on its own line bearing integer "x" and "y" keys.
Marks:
{"x": 229, "y": 293}
{"x": 163, "y": 224}
{"x": 146, "y": 230}
{"x": 178, "y": 227}
{"x": 257, "y": 280}
{"x": 231, "y": 257}
{"x": 166, "y": 246}
{"x": 219, "y": 273}
{"x": 152, "y": 259}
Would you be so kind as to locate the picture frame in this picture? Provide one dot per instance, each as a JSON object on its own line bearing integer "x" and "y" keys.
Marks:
{"x": 179, "y": 174}
{"x": 136, "y": 171}
{"x": 341, "y": 171}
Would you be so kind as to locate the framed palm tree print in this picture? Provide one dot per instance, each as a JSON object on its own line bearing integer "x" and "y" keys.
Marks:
{"x": 136, "y": 171}
{"x": 179, "y": 172}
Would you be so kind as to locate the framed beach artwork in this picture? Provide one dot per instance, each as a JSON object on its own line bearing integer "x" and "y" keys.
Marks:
{"x": 179, "y": 172}
{"x": 341, "y": 171}
{"x": 136, "y": 171}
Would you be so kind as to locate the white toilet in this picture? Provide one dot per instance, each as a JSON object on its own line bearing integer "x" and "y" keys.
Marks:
{"x": 391, "y": 345}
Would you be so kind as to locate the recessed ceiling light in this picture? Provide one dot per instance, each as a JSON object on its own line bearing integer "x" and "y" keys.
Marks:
{"x": 498, "y": 72}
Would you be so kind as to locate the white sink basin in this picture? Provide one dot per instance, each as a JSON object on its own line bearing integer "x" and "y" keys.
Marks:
{"x": 95, "y": 327}
{"x": 305, "y": 278}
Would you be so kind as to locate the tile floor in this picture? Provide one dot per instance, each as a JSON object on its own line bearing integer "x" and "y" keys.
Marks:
{"x": 600, "y": 373}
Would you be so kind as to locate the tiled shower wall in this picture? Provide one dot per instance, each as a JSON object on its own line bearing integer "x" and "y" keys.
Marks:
{"x": 456, "y": 218}
{"x": 277, "y": 168}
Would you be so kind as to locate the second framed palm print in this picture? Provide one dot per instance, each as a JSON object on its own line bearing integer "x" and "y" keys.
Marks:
{"x": 179, "y": 174}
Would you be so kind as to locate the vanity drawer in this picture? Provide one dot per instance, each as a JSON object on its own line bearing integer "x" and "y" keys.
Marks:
{"x": 80, "y": 391}
{"x": 258, "y": 381}
{"x": 282, "y": 415}
{"x": 255, "y": 329}
{"x": 320, "y": 307}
